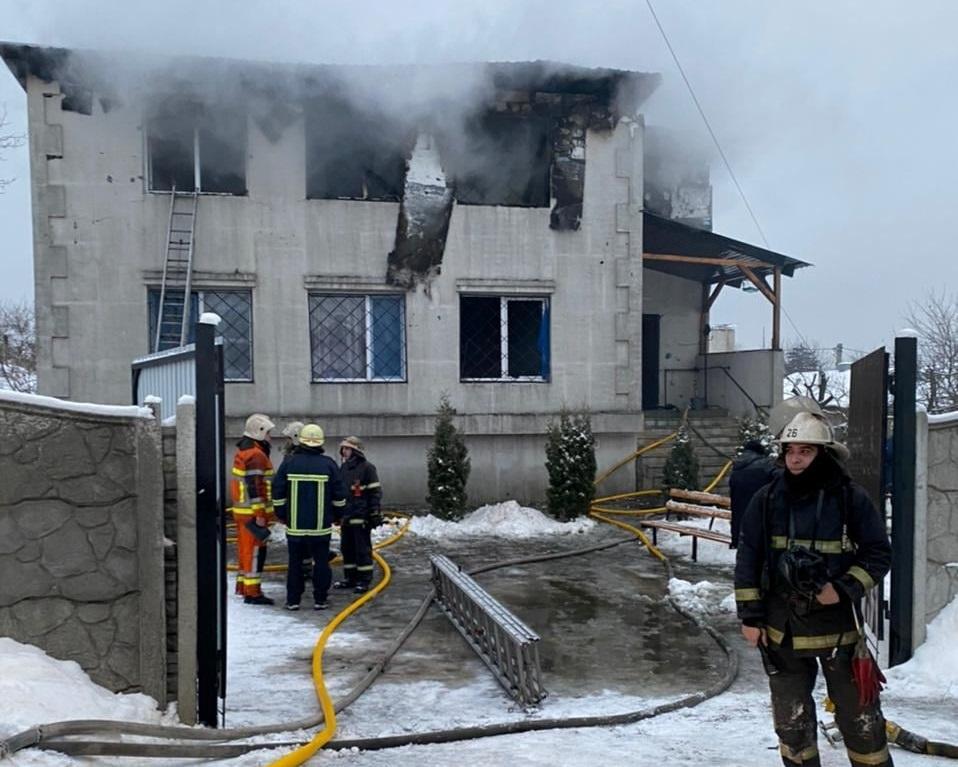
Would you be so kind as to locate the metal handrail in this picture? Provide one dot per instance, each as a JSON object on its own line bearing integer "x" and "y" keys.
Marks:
{"x": 760, "y": 409}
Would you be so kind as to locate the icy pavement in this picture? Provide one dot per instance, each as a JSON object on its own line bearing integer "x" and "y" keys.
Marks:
{"x": 609, "y": 645}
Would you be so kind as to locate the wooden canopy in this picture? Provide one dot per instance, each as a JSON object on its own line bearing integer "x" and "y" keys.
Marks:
{"x": 716, "y": 261}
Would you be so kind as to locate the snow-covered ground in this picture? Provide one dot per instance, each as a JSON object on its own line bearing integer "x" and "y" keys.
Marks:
{"x": 270, "y": 681}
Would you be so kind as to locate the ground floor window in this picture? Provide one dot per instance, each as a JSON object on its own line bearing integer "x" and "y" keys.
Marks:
{"x": 503, "y": 338}
{"x": 235, "y": 308}
{"x": 357, "y": 337}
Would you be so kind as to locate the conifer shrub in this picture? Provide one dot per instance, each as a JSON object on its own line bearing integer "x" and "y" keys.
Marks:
{"x": 570, "y": 462}
{"x": 681, "y": 467}
{"x": 448, "y": 466}
{"x": 754, "y": 428}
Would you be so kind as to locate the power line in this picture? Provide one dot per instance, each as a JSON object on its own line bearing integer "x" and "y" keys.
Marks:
{"x": 718, "y": 146}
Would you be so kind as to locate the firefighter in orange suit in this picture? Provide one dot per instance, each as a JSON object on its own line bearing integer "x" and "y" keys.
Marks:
{"x": 252, "y": 506}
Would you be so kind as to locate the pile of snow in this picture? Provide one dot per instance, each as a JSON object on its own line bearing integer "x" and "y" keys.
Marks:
{"x": 37, "y": 689}
{"x": 933, "y": 670}
{"x": 501, "y": 520}
{"x": 702, "y": 598}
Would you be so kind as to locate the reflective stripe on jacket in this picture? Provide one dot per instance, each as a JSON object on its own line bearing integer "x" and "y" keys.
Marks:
{"x": 251, "y": 482}
{"x": 851, "y": 538}
{"x": 307, "y": 488}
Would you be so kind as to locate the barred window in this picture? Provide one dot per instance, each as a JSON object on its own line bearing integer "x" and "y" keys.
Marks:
{"x": 357, "y": 337}
{"x": 503, "y": 338}
{"x": 235, "y": 308}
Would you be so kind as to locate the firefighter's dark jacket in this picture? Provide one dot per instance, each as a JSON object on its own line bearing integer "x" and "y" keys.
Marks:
{"x": 851, "y": 538}
{"x": 363, "y": 489}
{"x": 307, "y": 491}
{"x": 750, "y": 472}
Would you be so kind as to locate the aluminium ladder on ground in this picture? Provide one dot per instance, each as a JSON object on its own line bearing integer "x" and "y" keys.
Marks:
{"x": 503, "y": 642}
{"x": 173, "y": 311}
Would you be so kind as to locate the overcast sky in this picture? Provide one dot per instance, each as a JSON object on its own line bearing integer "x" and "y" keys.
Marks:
{"x": 839, "y": 118}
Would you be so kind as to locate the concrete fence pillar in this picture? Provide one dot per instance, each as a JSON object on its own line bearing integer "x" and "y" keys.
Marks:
{"x": 186, "y": 561}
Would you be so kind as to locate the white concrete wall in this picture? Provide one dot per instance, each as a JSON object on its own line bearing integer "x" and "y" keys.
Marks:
{"x": 759, "y": 372}
{"x": 679, "y": 302}
{"x": 100, "y": 235}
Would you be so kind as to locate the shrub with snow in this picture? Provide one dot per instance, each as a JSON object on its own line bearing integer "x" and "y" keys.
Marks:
{"x": 448, "y": 466}
{"x": 681, "y": 467}
{"x": 570, "y": 462}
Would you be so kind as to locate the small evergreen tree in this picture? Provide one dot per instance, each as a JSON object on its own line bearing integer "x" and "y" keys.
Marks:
{"x": 570, "y": 462}
{"x": 681, "y": 467}
{"x": 754, "y": 428}
{"x": 448, "y": 466}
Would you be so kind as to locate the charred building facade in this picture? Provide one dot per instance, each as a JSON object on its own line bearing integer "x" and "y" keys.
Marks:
{"x": 369, "y": 252}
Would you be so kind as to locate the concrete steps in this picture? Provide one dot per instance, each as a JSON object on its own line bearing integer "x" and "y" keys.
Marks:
{"x": 714, "y": 439}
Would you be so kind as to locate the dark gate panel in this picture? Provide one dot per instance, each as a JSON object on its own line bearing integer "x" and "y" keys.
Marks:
{"x": 867, "y": 432}
{"x": 651, "y": 327}
{"x": 210, "y": 528}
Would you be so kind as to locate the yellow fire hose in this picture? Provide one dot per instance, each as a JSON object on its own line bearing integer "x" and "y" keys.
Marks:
{"x": 304, "y": 752}
{"x": 232, "y": 568}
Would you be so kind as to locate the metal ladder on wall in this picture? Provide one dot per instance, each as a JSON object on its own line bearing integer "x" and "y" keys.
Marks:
{"x": 172, "y": 326}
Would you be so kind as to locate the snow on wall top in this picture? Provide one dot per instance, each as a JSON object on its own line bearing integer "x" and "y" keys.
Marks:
{"x": 941, "y": 419}
{"x": 88, "y": 408}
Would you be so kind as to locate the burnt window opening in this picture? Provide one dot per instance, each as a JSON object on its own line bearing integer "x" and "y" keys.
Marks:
{"x": 195, "y": 148}
{"x": 502, "y": 159}
{"x": 504, "y": 338}
{"x": 351, "y": 155}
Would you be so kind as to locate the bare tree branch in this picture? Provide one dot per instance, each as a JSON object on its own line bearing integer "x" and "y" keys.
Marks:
{"x": 7, "y": 141}
{"x": 18, "y": 347}
{"x": 936, "y": 320}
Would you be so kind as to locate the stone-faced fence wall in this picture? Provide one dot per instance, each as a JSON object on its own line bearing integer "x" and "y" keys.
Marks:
{"x": 81, "y": 538}
{"x": 938, "y": 435}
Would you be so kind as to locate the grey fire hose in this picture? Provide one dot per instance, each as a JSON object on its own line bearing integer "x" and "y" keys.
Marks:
{"x": 52, "y": 736}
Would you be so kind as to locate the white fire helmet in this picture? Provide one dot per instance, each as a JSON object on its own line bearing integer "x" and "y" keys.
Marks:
{"x": 258, "y": 426}
{"x": 812, "y": 429}
{"x": 311, "y": 435}
{"x": 292, "y": 431}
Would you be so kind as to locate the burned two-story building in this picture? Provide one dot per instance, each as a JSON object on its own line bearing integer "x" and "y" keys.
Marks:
{"x": 373, "y": 238}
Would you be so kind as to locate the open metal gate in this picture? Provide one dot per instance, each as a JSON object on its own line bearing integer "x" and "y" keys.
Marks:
{"x": 873, "y": 457}
{"x": 196, "y": 370}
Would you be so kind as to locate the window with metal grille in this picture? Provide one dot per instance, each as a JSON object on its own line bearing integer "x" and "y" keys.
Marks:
{"x": 196, "y": 148}
{"x": 235, "y": 308}
{"x": 357, "y": 337}
{"x": 503, "y": 338}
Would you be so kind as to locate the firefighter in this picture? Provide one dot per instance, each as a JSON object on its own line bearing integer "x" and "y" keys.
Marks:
{"x": 291, "y": 432}
{"x": 307, "y": 492}
{"x": 752, "y": 470}
{"x": 252, "y": 506}
{"x": 811, "y": 545}
{"x": 361, "y": 515}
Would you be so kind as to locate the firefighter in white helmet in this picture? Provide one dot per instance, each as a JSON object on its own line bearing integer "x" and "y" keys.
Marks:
{"x": 251, "y": 488}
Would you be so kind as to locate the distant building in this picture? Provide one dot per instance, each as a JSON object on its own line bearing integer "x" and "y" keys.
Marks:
{"x": 368, "y": 253}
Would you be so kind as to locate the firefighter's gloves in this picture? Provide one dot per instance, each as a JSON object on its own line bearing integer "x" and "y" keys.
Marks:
{"x": 259, "y": 531}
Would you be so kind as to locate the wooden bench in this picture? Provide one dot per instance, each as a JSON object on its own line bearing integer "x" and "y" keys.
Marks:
{"x": 699, "y": 496}
{"x": 694, "y": 532}
{"x": 693, "y": 509}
